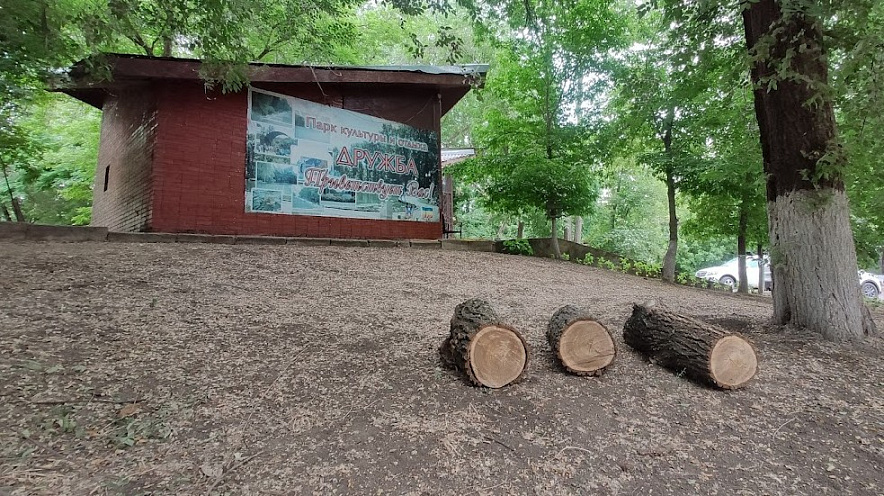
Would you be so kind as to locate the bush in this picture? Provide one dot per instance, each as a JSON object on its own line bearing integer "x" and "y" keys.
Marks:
{"x": 517, "y": 247}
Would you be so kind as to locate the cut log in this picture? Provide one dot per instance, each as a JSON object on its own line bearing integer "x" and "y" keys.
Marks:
{"x": 581, "y": 344}
{"x": 686, "y": 345}
{"x": 490, "y": 353}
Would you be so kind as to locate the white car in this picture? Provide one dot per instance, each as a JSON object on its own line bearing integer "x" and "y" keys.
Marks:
{"x": 728, "y": 274}
{"x": 870, "y": 284}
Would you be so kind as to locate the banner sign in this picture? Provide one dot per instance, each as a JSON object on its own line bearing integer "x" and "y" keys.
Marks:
{"x": 304, "y": 158}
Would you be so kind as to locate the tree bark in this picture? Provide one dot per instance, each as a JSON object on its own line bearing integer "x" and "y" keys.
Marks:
{"x": 520, "y": 233}
{"x": 812, "y": 251}
{"x": 554, "y": 239}
{"x": 501, "y": 231}
{"x": 581, "y": 344}
{"x": 672, "y": 250}
{"x": 761, "y": 266}
{"x": 881, "y": 262}
{"x": 702, "y": 351}
{"x": 16, "y": 206}
{"x": 578, "y": 230}
{"x": 743, "y": 285}
{"x": 490, "y": 353}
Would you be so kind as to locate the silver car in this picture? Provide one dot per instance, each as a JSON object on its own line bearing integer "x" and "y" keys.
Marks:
{"x": 870, "y": 284}
{"x": 727, "y": 273}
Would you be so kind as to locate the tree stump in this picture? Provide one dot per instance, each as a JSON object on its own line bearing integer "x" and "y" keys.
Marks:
{"x": 581, "y": 344}
{"x": 490, "y": 353}
{"x": 701, "y": 350}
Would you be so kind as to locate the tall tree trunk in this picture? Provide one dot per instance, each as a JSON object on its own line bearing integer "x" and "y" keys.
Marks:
{"x": 16, "y": 209}
{"x": 554, "y": 239}
{"x": 501, "y": 231}
{"x": 16, "y": 206}
{"x": 811, "y": 244}
{"x": 167, "y": 45}
{"x": 521, "y": 229}
{"x": 672, "y": 250}
{"x": 5, "y": 212}
{"x": 578, "y": 230}
{"x": 566, "y": 228}
{"x": 881, "y": 262}
{"x": 761, "y": 266}
{"x": 743, "y": 286}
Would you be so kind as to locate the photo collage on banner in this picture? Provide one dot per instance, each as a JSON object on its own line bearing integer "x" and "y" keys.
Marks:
{"x": 304, "y": 158}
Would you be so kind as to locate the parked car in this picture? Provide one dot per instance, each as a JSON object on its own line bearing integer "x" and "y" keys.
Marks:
{"x": 870, "y": 284}
{"x": 728, "y": 274}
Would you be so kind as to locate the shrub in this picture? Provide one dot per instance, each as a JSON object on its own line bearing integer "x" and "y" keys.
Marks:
{"x": 607, "y": 264}
{"x": 517, "y": 247}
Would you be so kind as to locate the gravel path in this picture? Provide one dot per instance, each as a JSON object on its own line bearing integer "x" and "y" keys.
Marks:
{"x": 218, "y": 369}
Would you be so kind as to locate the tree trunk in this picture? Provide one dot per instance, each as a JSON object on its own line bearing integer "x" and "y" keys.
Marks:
{"x": 685, "y": 345}
{"x": 520, "y": 233}
{"x": 761, "y": 269}
{"x": 672, "y": 250}
{"x": 16, "y": 206}
{"x": 16, "y": 209}
{"x": 5, "y": 212}
{"x": 554, "y": 239}
{"x": 582, "y": 345}
{"x": 812, "y": 251}
{"x": 566, "y": 228}
{"x": 881, "y": 262}
{"x": 491, "y": 354}
{"x": 167, "y": 46}
{"x": 501, "y": 231}
{"x": 578, "y": 230}
{"x": 743, "y": 285}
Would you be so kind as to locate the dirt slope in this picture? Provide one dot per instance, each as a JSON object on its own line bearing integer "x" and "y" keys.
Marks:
{"x": 293, "y": 370}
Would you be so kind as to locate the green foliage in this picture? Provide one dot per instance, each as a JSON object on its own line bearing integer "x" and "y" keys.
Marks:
{"x": 697, "y": 253}
{"x": 552, "y": 186}
{"x": 604, "y": 263}
{"x": 648, "y": 269}
{"x": 518, "y": 247}
{"x": 60, "y": 190}
{"x": 631, "y": 217}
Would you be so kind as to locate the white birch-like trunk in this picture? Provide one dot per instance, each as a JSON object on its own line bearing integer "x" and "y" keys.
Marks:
{"x": 578, "y": 229}
{"x": 814, "y": 263}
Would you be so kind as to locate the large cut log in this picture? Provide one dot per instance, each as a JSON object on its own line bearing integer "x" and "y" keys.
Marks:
{"x": 581, "y": 344}
{"x": 490, "y": 353}
{"x": 701, "y": 350}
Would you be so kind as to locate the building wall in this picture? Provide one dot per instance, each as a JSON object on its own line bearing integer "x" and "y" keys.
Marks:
{"x": 122, "y": 188}
{"x": 200, "y": 156}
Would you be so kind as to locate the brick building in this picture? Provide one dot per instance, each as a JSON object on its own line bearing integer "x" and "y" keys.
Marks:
{"x": 338, "y": 152}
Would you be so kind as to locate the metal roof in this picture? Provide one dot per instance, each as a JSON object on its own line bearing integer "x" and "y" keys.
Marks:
{"x": 451, "y": 156}
{"x": 452, "y": 82}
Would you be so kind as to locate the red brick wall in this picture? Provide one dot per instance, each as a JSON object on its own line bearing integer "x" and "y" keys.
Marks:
{"x": 125, "y": 154}
{"x": 200, "y": 155}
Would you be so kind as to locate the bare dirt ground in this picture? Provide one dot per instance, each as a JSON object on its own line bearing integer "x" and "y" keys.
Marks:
{"x": 200, "y": 369}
